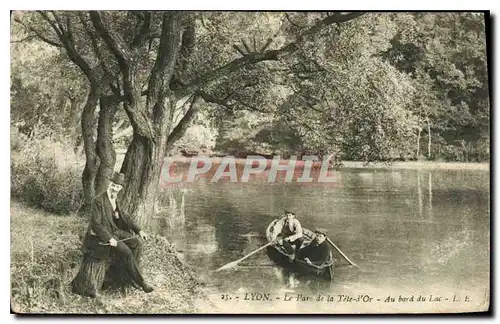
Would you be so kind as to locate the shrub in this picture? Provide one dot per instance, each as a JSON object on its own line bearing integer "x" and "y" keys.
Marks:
{"x": 47, "y": 174}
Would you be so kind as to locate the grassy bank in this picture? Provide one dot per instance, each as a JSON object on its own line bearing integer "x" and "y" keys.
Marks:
{"x": 45, "y": 256}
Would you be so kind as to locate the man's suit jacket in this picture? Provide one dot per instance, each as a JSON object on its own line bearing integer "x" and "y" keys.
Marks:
{"x": 104, "y": 225}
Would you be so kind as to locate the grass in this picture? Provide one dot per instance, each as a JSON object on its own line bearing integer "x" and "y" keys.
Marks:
{"x": 45, "y": 256}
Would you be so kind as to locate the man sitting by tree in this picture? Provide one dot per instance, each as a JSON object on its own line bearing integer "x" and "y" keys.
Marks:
{"x": 318, "y": 251}
{"x": 111, "y": 232}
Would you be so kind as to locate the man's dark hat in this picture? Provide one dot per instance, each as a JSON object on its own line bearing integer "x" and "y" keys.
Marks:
{"x": 289, "y": 212}
{"x": 118, "y": 178}
{"x": 320, "y": 231}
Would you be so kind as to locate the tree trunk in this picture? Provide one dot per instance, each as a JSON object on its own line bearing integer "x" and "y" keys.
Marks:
{"x": 144, "y": 159}
{"x": 430, "y": 194}
{"x": 419, "y": 195}
{"x": 151, "y": 124}
{"x": 142, "y": 170}
{"x": 90, "y": 277}
{"x": 73, "y": 119}
{"x": 141, "y": 166}
{"x": 429, "y": 138}
{"x": 92, "y": 162}
{"x": 418, "y": 143}
{"x": 105, "y": 149}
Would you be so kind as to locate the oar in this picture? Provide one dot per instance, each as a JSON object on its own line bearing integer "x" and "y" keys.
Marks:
{"x": 342, "y": 253}
{"x": 234, "y": 263}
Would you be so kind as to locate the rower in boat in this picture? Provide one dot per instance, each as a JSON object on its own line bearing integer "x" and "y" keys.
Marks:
{"x": 318, "y": 251}
{"x": 282, "y": 258}
{"x": 288, "y": 231}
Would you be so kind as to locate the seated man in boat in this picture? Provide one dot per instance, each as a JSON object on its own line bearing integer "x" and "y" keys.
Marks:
{"x": 318, "y": 251}
{"x": 290, "y": 235}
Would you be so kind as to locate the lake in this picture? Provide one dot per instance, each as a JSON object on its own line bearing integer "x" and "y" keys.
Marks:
{"x": 411, "y": 232}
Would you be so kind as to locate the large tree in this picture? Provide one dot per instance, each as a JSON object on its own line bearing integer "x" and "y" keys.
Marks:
{"x": 156, "y": 65}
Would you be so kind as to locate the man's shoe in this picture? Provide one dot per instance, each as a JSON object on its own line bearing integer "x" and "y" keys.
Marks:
{"x": 147, "y": 288}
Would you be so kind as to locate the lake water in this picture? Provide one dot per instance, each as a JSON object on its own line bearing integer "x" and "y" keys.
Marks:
{"x": 412, "y": 233}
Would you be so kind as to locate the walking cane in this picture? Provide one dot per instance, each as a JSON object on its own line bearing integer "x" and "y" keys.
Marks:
{"x": 125, "y": 239}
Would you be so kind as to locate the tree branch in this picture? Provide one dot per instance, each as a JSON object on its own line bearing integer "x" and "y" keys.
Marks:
{"x": 236, "y": 47}
{"x": 209, "y": 98}
{"x": 170, "y": 41}
{"x": 119, "y": 50}
{"x": 224, "y": 102}
{"x": 140, "y": 123}
{"x": 329, "y": 20}
{"x": 291, "y": 22}
{"x": 142, "y": 36}
{"x": 182, "y": 126}
{"x": 58, "y": 21}
{"x": 113, "y": 42}
{"x": 166, "y": 59}
{"x": 70, "y": 48}
{"x": 266, "y": 45}
{"x": 37, "y": 35}
{"x": 69, "y": 29}
{"x": 246, "y": 46}
{"x": 233, "y": 66}
{"x": 254, "y": 58}
{"x": 97, "y": 51}
{"x": 51, "y": 23}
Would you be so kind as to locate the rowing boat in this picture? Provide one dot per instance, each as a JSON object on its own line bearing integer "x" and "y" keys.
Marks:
{"x": 280, "y": 256}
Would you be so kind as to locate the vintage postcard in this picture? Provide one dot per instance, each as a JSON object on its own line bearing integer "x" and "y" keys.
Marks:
{"x": 224, "y": 162}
